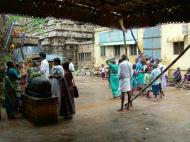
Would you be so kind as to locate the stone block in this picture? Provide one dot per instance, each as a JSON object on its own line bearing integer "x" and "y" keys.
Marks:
{"x": 40, "y": 111}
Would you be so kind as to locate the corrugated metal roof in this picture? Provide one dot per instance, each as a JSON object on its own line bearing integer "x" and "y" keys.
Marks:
{"x": 135, "y": 13}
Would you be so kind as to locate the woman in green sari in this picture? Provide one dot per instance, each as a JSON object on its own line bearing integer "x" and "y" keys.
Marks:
{"x": 11, "y": 91}
{"x": 113, "y": 78}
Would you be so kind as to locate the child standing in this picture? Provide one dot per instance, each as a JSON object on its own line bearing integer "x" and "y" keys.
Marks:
{"x": 147, "y": 80}
{"x": 103, "y": 72}
{"x": 156, "y": 85}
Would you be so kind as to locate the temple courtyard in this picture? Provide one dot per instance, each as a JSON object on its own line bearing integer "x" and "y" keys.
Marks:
{"x": 97, "y": 119}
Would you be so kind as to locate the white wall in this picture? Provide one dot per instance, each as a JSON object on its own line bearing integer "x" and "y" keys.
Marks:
{"x": 167, "y": 47}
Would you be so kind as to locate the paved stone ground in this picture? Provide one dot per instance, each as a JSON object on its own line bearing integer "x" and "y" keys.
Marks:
{"x": 97, "y": 120}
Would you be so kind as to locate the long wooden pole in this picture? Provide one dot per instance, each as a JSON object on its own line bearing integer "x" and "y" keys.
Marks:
{"x": 136, "y": 43}
{"x": 125, "y": 30}
{"x": 125, "y": 45}
{"x": 124, "y": 37}
{"x": 171, "y": 64}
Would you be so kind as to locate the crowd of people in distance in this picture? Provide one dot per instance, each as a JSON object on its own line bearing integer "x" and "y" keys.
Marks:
{"x": 127, "y": 78}
{"x": 61, "y": 78}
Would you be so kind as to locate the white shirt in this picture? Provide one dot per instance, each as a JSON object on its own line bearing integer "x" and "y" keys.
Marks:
{"x": 44, "y": 68}
{"x": 102, "y": 70}
{"x": 125, "y": 70}
{"x": 125, "y": 73}
{"x": 155, "y": 73}
{"x": 71, "y": 67}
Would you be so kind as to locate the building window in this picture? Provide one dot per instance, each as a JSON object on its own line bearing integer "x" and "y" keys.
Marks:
{"x": 103, "y": 51}
{"x": 116, "y": 50}
{"x": 178, "y": 47}
{"x": 81, "y": 56}
{"x": 133, "y": 49}
{"x": 85, "y": 56}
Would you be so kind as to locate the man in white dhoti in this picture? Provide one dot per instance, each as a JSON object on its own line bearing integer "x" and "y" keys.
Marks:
{"x": 125, "y": 74}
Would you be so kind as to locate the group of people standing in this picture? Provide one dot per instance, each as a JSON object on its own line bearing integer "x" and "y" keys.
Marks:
{"x": 126, "y": 77}
{"x": 61, "y": 79}
{"x": 62, "y": 86}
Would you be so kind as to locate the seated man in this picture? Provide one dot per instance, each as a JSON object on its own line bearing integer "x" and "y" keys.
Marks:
{"x": 177, "y": 75}
{"x": 187, "y": 75}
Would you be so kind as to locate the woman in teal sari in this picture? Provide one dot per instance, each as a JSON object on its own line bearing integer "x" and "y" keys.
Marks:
{"x": 114, "y": 79}
{"x": 11, "y": 91}
{"x": 140, "y": 68}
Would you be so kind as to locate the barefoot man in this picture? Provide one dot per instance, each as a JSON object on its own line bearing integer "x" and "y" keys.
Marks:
{"x": 125, "y": 73}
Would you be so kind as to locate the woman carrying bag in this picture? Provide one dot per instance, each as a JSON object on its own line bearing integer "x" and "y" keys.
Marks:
{"x": 67, "y": 108}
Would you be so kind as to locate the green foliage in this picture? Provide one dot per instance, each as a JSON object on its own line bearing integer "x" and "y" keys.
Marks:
{"x": 29, "y": 25}
{"x": 6, "y": 58}
{"x": 35, "y": 25}
{"x": 11, "y": 19}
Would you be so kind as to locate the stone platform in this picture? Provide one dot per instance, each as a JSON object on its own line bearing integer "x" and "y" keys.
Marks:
{"x": 40, "y": 111}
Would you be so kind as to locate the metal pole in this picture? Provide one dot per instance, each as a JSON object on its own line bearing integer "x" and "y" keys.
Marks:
{"x": 125, "y": 45}
{"x": 171, "y": 64}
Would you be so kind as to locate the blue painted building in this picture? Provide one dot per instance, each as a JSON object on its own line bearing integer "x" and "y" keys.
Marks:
{"x": 152, "y": 42}
{"x": 110, "y": 44}
{"x": 115, "y": 37}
